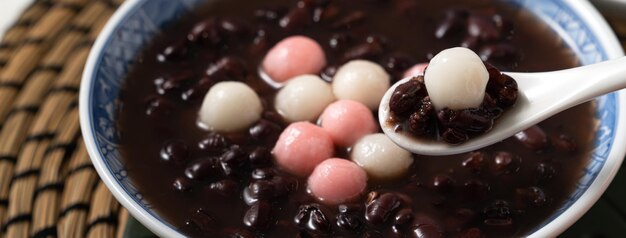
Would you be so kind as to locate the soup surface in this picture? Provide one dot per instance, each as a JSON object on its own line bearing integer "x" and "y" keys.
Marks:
{"x": 504, "y": 190}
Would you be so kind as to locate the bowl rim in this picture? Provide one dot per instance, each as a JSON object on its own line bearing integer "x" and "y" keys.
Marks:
{"x": 598, "y": 26}
{"x": 152, "y": 223}
{"x": 613, "y": 49}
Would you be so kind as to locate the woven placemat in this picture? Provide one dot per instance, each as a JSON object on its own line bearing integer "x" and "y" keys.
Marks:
{"x": 48, "y": 187}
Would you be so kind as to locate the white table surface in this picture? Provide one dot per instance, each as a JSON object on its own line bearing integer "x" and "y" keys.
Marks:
{"x": 10, "y": 10}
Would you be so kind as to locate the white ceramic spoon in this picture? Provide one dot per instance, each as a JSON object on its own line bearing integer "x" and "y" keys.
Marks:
{"x": 540, "y": 96}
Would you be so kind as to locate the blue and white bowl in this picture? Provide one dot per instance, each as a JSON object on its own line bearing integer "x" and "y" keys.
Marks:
{"x": 138, "y": 21}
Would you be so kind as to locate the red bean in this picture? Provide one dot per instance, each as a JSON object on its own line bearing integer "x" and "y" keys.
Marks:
{"x": 205, "y": 32}
{"x": 348, "y": 222}
{"x": 349, "y": 21}
{"x": 339, "y": 41}
{"x": 260, "y": 156}
{"x": 476, "y": 190}
{"x": 506, "y": 163}
{"x": 261, "y": 189}
{"x": 499, "y": 213}
{"x": 475, "y": 161}
{"x": 235, "y": 27}
{"x": 544, "y": 173}
{"x": 454, "y": 24}
{"x": 182, "y": 184}
{"x": 213, "y": 142}
{"x": 328, "y": 73}
{"x": 533, "y": 138}
{"x": 379, "y": 210}
{"x": 176, "y": 51}
{"x": 295, "y": 19}
{"x": 501, "y": 52}
{"x": 369, "y": 51}
{"x": 175, "y": 151}
{"x": 197, "y": 92}
{"x": 533, "y": 196}
{"x": 270, "y": 14}
{"x": 483, "y": 27}
{"x": 263, "y": 173}
{"x": 159, "y": 107}
{"x": 266, "y": 132}
{"x": 312, "y": 218}
{"x": 403, "y": 217}
{"x": 203, "y": 169}
{"x": 443, "y": 183}
{"x": 225, "y": 187}
{"x": 406, "y": 97}
{"x": 227, "y": 69}
{"x": 563, "y": 142}
{"x": 258, "y": 216}
{"x": 425, "y": 226}
{"x": 234, "y": 157}
{"x": 398, "y": 63}
{"x": 454, "y": 136}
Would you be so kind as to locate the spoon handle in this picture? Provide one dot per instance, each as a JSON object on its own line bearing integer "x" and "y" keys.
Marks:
{"x": 559, "y": 90}
{"x": 541, "y": 95}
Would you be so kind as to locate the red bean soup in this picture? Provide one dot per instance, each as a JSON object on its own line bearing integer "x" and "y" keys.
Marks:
{"x": 210, "y": 184}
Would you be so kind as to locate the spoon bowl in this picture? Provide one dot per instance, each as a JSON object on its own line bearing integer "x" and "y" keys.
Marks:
{"x": 540, "y": 96}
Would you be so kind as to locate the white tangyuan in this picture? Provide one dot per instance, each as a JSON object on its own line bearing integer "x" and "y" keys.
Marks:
{"x": 361, "y": 81}
{"x": 380, "y": 157}
{"x": 303, "y": 98}
{"x": 456, "y": 78}
{"x": 230, "y": 106}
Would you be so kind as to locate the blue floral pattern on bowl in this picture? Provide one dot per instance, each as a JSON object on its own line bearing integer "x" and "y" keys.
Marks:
{"x": 148, "y": 17}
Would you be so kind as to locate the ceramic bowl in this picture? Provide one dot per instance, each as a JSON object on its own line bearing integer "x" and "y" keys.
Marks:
{"x": 137, "y": 21}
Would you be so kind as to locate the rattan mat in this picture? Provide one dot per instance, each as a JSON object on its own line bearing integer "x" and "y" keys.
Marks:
{"x": 48, "y": 187}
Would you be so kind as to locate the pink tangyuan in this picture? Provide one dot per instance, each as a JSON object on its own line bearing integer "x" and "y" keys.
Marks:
{"x": 294, "y": 56}
{"x": 301, "y": 147}
{"x": 336, "y": 181}
{"x": 346, "y": 121}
